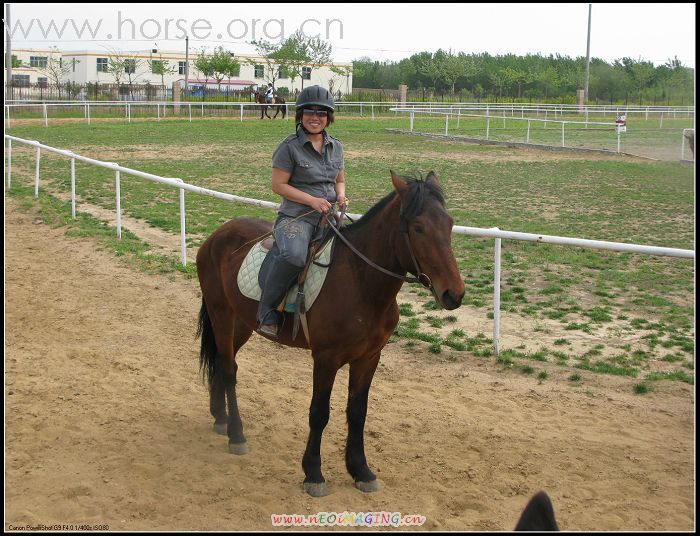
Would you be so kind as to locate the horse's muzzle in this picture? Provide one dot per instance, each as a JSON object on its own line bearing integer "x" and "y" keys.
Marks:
{"x": 450, "y": 300}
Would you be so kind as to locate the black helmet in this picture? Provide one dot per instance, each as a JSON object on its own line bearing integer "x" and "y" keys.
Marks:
{"x": 315, "y": 96}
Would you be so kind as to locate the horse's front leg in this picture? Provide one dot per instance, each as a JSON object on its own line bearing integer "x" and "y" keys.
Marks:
{"x": 319, "y": 412}
{"x": 361, "y": 374}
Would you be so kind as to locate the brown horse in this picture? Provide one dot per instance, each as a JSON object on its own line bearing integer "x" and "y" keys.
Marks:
{"x": 352, "y": 319}
{"x": 260, "y": 99}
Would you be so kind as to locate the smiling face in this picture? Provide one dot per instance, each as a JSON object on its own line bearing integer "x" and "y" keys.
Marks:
{"x": 312, "y": 122}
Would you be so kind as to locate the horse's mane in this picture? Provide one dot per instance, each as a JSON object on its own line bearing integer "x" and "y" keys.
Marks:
{"x": 418, "y": 192}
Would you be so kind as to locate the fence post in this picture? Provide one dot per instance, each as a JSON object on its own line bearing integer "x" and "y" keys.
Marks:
{"x": 562, "y": 133}
{"x": 88, "y": 113}
{"x": 8, "y": 116}
{"x": 545, "y": 118}
{"x": 504, "y": 118}
{"x": 46, "y": 116}
{"x": 183, "y": 244}
{"x": 682, "y": 146}
{"x": 9, "y": 163}
{"x": 36, "y": 175}
{"x": 488, "y": 126}
{"x": 497, "y": 297}
{"x": 190, "y": 107}
{"x": 447, "y": 123}
{"x": 119, "y": 207}
{"x": 72, "y": 186}
{"x": 618, "y": 140}
{"x": 241, "y": 112}
{"x": 586, "y": 117}
{"x": 527, "y": 140}
{"x": 373, "y": 112}
{"x": 661, "y": 125}
{"x": 412, "y": 114}
{"x": 158, "y": 110}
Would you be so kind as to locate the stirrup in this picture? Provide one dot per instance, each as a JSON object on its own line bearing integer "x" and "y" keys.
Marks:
{"x": 269, "y": 330}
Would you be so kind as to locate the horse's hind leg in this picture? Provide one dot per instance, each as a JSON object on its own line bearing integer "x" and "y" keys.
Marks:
{"x": 236, "y": 440}
{"x": 230, "y": 336}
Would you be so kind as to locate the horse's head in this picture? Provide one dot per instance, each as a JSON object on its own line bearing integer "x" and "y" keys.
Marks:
{"x": 428, "y": 228}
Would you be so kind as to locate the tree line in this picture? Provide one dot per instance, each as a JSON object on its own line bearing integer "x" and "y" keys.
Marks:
{"x": 552, "y": 78}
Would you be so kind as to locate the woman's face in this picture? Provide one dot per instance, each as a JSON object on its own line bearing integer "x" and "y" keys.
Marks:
{"x": 312, "y": 122}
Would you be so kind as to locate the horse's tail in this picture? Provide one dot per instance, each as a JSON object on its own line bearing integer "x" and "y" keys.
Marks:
{"x": 207, "y": 353}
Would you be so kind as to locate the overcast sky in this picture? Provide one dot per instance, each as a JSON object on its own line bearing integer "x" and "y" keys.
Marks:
{"x": 654, "y": 32}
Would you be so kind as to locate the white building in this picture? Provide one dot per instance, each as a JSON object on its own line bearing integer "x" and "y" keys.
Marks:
{"x": 89, "y": 66}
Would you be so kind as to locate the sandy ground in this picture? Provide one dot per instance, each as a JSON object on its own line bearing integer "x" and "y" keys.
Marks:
{"x": 107, "y": 421}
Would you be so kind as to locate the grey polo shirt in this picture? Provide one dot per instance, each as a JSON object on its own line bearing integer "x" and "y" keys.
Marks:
{"x": 312, "y": 172}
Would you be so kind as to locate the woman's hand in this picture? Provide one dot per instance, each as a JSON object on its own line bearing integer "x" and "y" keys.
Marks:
{"x": 320, "y": 205}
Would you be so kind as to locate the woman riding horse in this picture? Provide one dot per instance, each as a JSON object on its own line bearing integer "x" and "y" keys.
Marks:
{"x": 308, "y": 172}
{"x": 277, "y": 102}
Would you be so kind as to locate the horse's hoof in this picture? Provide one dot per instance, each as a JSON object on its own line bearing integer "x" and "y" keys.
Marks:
{"x": 316, "y": 489}
{"x": 221, "y": 429}
{"x": 368, "y": 487}
{"x": 238, "y": 448}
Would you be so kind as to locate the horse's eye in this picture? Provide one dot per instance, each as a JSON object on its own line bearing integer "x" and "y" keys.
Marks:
{"x": 418, "y": 229}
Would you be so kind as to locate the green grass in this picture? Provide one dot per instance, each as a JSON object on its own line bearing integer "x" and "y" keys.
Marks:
{"x": 564, "y": 288}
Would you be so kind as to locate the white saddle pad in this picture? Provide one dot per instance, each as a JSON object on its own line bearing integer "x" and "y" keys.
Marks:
{"x": 248, "y": 276}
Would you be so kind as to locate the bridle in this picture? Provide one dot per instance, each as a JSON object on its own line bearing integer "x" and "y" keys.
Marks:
{"x": 421, "y": 277}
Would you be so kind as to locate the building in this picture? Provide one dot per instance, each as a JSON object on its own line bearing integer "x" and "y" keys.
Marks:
{"x": 88, "y": 66}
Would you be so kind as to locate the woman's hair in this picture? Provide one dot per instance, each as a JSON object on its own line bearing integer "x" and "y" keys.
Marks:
{"x": 300, "y": 114}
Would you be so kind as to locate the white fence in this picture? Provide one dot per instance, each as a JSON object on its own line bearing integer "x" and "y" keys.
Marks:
{"x": 182, "y": 186}
{"x": 456, "y": 113}
{"x": 368, "y": 109}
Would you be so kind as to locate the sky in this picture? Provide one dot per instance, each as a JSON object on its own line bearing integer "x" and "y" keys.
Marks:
{"x": 384, "y": 32}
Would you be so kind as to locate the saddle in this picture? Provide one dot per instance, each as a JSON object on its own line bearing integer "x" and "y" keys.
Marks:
{"x": 302, "y": 295}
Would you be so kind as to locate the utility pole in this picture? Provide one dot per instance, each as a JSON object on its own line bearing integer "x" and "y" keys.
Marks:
{"x": 8, "y": 51}
{"x": 187, "y": 64}
{"x": 588, "y": 56}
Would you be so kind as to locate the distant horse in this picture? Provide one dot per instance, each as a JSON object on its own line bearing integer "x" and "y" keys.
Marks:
{"x": 260, "y": 99}
{"x": 352, "y": 319}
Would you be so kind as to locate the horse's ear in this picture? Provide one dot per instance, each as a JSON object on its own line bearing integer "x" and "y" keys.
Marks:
{"x": 399, "y": 184}
{"x": 432, "y": 179}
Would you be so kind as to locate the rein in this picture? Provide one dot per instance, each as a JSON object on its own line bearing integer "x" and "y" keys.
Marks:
{"x": 422, "y": 278}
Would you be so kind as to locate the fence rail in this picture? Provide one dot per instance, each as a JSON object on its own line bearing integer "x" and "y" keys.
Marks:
{"x": 496, "y": 233}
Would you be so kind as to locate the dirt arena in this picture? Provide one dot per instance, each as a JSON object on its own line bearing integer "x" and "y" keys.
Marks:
{"x": 107, "y": 421}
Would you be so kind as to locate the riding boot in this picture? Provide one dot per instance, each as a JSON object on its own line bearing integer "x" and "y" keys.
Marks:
{"x": 280, "y": 278}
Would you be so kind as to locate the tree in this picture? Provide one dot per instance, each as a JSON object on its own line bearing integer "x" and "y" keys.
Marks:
{"x": 56, "y": 70}
{"x": 346, "y": 71}
{"x": 222, "y": 64}
{"x": 269, "y": 52}
{"x": 203, "y": 65}
{"x": 292, "y": 56}
{"x": 318, "y": 52}
{"x": 161, "y": 67}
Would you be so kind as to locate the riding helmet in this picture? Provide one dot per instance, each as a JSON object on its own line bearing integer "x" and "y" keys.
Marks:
{"x": 315, "y": 96}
